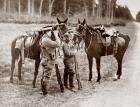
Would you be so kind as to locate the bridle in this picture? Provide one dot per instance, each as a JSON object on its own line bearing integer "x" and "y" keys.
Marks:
{"x": 61, "y": 33}
{"x": 83, "y": 33}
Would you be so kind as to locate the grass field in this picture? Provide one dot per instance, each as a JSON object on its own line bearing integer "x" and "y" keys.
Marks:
{"x": 23, "y": 95}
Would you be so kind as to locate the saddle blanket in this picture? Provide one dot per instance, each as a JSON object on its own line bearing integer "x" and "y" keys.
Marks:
{"x": 26, "y": 41}
{"x": 120, "y": 41}
{"x": 19, "y": 43}
{"x": 29, "y": 42}
{"x": 106, "y": 41}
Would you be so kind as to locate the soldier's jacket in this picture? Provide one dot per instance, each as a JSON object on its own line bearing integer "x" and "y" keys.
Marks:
{"x": 49, "y": 46}
{"x": 68, "y": 53}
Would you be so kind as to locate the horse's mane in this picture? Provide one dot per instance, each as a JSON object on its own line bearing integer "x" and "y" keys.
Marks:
{"x": 91, "y": 28}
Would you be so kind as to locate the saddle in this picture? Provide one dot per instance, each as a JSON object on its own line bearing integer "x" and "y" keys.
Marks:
{"x": 30, "y": 39}
{"x": 25, "y": 41}
{"x": 105, "y": 39}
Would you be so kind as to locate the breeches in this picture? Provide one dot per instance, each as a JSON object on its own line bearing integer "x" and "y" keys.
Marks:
{"x": 69, "y": 68}
{"x": 48, "y": 66}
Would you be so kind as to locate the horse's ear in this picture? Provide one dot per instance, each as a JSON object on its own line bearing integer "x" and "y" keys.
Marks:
{"x": 84, "y": 22}
{"x": 66, "y": 20}
{"x": 79, "y": 21}
{"x": 58, "y": 20}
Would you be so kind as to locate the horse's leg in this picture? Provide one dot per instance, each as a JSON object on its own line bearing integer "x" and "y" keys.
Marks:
{"x": 119, "y": 71}
{"x": 19, "y": 68}
{"x": 90, "y": 61}
{"x": 37, "y": 62}
{"x": 98, "y": 68}
{"x": 59, "y": 78}
{"x": 12, "y": 68}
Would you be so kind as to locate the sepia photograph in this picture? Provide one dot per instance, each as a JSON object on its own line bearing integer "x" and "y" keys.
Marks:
{"x": 69, "y": 53}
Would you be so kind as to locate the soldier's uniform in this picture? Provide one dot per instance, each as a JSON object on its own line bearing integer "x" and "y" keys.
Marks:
{"x": 69, "y": 63}
{"x": 48, "y": 57}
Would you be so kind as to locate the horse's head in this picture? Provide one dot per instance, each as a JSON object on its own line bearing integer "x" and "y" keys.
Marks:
{"x": 81, "y": 26}
{"x": 79, "y": 34}
{"x": 62, "y": 26}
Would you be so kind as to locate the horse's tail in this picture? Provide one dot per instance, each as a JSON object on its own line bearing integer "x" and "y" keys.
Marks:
{"x": 127, "y": 39}
{"x": 15, "y": 53}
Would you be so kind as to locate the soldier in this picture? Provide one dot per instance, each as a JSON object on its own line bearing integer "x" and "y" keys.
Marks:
{"x": 69, "y": 63}
{"x": 49, "y": 43}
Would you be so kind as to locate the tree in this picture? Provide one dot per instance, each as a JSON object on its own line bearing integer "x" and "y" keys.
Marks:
{"x": 40, "y": 7}
{"x": 5, "y": 5}
{"x": 50, "y": 6}
{"x": 32, "y": 7}
{"x": 65, "y": 6}
{"x": 19, "y": 7}
{"x": 29, "y": 7}
{"x": 85, "y": 8}
{"x": 93, "y": 7}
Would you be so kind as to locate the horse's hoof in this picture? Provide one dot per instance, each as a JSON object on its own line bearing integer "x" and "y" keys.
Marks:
{"x": 89, "y": 79}
{"x": 11, "y": 80}
{"x": 45, "y": 93}
{"x": 119, "y": 77}
{"x": 98, "y": 81}
{"x": 115, "y": 79}
{"x": 62, "y": 89}
{"x": 34, "y": 86}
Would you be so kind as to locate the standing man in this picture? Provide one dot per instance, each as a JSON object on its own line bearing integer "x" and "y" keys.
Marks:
{"x": 49, "y": 43}
{"x": 69, "y": 62}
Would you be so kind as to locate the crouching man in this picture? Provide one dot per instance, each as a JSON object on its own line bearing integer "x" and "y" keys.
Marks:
{"x": 48, "y": 44}
{"x": 69, "y": 63}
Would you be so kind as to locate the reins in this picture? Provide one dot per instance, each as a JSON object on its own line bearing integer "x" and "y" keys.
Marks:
{"x": 86, "y": 49}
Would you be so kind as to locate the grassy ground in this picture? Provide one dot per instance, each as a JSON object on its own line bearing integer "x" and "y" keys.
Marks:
{"x": 23, "y": 95}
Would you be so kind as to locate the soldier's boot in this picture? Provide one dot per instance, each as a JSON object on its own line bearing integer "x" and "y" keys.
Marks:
{"x": 65, "y": 78}
{"x": 72, "y": 88}
{"x": 44, "y": 86}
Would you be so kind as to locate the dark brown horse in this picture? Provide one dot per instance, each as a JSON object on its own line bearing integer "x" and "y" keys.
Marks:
{"x": 33, "y": 51}
{"x": 96, "y": 50}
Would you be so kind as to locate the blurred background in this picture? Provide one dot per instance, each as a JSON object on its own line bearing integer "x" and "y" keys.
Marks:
{"x": 45, "y": 11}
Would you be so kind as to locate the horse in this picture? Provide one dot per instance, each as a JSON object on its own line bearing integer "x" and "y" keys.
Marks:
{"x": 96, "y": 50}
{"x": 33, "y": 51}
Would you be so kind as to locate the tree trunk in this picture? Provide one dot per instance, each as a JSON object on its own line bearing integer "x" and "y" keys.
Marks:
{"x": 19, "y": 7}
{"x": 65, "y": 6}
{"x": 109, "y": 9}
{"x": 29, "y": 7}
{"x": 9, "y": 7}
{"x": 93, "y": 8}
{"x": 5, "y": 5}
{"x": 85, "y": 7}
{"x": 69, "y": 5}
{"x": 100, "y": 8}
{"x": 32, "y": 7}
{"x": 50, "y": 6}
{"x": 40, "y": 8}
